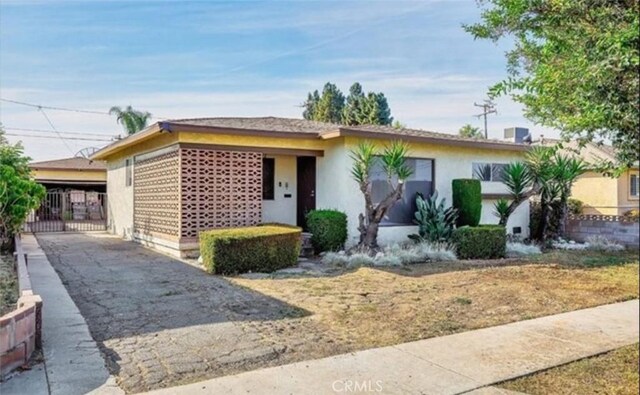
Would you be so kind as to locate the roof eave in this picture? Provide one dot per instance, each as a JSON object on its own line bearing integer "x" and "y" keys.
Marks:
{"x": 343, "y": 132}
{"x": 143, "y": 135}
{"x": 236, "y": 131}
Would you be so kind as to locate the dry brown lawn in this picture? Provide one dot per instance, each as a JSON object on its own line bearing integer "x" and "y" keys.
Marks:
{"x": 372, "y": 307}
{"x": 615, "y": 372}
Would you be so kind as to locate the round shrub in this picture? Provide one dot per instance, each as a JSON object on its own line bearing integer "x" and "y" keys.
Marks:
{"x": 480, "y": 242}
{"x": 328, "y": 229}
{"x": 467, "y": 199}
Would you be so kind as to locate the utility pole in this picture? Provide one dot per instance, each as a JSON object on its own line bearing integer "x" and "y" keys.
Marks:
{"x": 488, "y": 107}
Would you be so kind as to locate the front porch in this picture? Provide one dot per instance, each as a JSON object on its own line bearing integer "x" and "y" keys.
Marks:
{"x": 183, "y": 189}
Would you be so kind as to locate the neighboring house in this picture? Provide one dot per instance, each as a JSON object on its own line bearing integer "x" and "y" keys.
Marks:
{"x": 602, "y": 194}
{"x": 176, "y": 178}
{"x": 71, "y": 174}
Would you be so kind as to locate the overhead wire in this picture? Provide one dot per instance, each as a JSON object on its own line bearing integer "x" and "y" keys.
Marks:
{"x": 53, "y": 131}
{"x": 55, "y": 137}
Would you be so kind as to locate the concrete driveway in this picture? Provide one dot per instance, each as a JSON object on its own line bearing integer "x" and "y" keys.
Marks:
{"x": 161, "y": 322}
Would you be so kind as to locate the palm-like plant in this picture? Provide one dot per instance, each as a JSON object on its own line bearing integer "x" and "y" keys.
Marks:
{"x": 566, "y": 169}
{"x": 393, "y": 163}
{"x": 131, "y": 120}
{"x": 519, "y": 180}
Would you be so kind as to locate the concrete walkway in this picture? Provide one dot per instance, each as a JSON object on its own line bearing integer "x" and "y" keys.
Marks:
{"x": 452, "y": 364}
{"x": 73, "y": 364}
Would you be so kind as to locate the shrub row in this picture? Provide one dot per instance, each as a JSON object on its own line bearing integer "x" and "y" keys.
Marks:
{"x": 480, "y": 242}
{"x": 250, "y": 249}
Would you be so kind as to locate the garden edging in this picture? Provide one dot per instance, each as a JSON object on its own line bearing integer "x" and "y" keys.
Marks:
{"x": 21, "y": 329}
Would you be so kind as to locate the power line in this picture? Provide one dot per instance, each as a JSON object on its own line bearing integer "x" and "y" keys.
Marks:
{"x": 44, "y": 114}
{"x": 54, "y": 137}
{"x": 53, "y": 131}
{"x": 39, "y": 106}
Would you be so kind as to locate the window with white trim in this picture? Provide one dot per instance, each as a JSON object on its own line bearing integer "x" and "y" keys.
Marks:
{"x": 634, "y": 185}
{"x": 488, "y": 171}
{"x": 420, "y": 181}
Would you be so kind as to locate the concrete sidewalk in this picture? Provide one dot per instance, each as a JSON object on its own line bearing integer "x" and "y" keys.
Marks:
{"x": 445, "y": 365}
{"x": 73, "y": 363}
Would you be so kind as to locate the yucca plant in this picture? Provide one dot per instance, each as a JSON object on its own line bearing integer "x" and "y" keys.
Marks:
{"x": 519, "y": 180}
{"x": 502, "y": 210}
{"x": 435, "y": 221}
{"x": 393, "y": 158}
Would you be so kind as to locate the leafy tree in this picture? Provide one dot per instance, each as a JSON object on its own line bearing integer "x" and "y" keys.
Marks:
{"x": 393, "y": 163}
{"x": 19, "y": 193}
{"x": 131, "y": 120}
{"x": 357, "y": 109}
{"x": 575, "y": 66}
{"x": 471, "y": 131}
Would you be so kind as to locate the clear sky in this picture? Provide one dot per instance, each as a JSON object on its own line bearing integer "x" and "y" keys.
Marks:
{"x": 199, "y": 59}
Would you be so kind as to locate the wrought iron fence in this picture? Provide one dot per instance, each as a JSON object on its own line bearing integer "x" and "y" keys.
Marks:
{"x": 69, "y": 211}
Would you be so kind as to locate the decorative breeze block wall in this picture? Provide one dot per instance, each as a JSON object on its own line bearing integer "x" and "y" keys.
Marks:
{"x": 156, "y": 196}
{"x": 219, "y": 189}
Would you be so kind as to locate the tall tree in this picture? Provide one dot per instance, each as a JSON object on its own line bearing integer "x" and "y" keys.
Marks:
{"x": 131, "y": 120}
{"x": 575, "y": 66}
{"x": 329, "y": 106}
{"x": 471, "y": 131}
{"x": 310, "y": 105}
{"x": 352, "y": 113}
{"x": 359, "y": 109}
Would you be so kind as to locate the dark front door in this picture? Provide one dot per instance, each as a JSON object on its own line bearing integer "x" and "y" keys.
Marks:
{"x": 306, "y": 187}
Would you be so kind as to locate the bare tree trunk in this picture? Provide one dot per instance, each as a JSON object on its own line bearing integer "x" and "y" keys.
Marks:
{"x": 371, "y": 236}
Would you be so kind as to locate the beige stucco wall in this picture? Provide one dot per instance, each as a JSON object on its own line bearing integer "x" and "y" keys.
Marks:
{"x": 336, "y": 188}
{"x": 598, "y": 193}
{"x": 282, "y": 209}
{"x": 120, "y": 200}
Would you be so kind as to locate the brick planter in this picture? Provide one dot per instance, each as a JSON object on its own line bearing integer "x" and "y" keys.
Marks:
{"x": 20, "y": 330}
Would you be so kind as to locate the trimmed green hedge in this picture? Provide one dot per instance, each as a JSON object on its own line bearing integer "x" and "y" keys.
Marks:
{"x": 328, "y": 229}
{"x": 480, "y": 242}
{"x": 250, "y": 249}
{"x": 467, "y": 199}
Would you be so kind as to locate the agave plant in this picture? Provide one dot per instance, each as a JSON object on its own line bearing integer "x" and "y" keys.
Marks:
{"x": 435, "y": 221}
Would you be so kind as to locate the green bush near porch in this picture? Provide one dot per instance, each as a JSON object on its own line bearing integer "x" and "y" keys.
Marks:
{"x": 480, "y": 242}
{"x": 328, "y": 229}
{"x": 249, "y": 249}
{"x": 467, "y": 199}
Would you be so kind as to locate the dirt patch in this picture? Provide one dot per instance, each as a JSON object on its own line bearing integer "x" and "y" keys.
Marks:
{"x": 8, "y": 285}
{"x": 615, "y": 372}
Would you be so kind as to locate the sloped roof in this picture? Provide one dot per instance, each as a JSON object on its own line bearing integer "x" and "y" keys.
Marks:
{"x": 592, "y": 153}
{"x": 70, "y": 164}
{"x": 268, "y": 124}
{"x": 300, "y": 128}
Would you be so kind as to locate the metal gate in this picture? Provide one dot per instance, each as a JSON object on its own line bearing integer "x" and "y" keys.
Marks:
{"x": 69, "y": 211}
